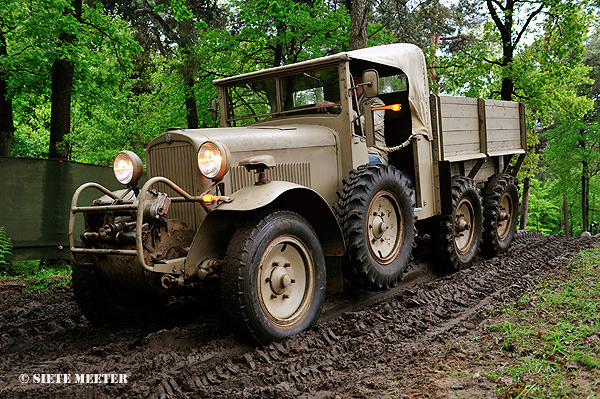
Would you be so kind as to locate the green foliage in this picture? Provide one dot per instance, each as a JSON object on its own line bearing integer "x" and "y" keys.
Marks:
{"x": 38, "y": 275}
{"x": 544, "y": 211}
{"x": 47, "y": 278}
{"x": 269, "y": 33}
{"x": 545, "y": 72}
{"x": 5, "y": 247}
{"x": 552, "y": 333}
{"x": 102, "y": 53}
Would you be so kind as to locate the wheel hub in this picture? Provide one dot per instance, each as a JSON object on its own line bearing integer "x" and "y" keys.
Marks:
{"x": 285, "y": 279}
{"x": 463, "y": 225}
{"x": 504, "y": 215}
{"x": 384, "y": 227}
{"x": 280, "y": 279}
{"x": 463, "y": 218}
{"x": 379, "y": 226}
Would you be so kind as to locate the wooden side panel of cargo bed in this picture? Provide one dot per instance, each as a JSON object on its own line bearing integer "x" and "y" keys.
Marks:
{"x": 471, "y": 128}
{"x": 503, "y": 121}
{"x": 459, "y": 125}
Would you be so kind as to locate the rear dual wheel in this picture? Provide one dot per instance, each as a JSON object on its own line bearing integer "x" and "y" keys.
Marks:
{"x": 457, "y": 236}
{"x": 501, "y": 208}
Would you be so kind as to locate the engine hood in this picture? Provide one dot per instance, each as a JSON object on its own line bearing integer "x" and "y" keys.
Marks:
{"x": 254, "y": 138}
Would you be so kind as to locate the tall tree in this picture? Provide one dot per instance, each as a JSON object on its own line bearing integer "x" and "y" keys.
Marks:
{"x": 7, "y": 127}
{"x": 505, "y": 14}
{"x": 573, "y": 152}
{"x": 63, "y": 69}
{"x": 359, "y": 19}
{"x": 173, "y": 28}
{"x": 541, "y": 74}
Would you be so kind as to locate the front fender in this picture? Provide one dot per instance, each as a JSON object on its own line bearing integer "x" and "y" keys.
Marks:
{"x": 212, "y": 238}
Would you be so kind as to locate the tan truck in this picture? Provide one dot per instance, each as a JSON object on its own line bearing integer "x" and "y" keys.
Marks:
{"x": 280, "y": 202}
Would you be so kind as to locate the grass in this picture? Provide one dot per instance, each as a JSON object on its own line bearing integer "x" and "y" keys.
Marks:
{"x": 39, "y": 276}
{"x": 551, "y": 337}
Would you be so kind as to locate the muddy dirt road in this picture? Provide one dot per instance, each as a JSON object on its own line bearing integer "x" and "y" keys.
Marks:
{"x": 186, "y": 351}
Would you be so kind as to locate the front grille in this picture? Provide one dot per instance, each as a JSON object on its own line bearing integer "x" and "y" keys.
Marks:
{"x": 293, "y": 172}
{"x": 176, "y": 162}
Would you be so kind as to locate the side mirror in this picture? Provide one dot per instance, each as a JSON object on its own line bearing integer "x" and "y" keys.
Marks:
{"x": 370, "y": 79}
{"x": 214, "y": 111}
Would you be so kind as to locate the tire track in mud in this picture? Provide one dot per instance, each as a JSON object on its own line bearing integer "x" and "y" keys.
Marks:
{"x": 337, "y": 352}
{"x": 181, "y": 358}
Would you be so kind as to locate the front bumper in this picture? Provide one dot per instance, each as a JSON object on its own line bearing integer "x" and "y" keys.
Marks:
{"x": 144, "y": 207}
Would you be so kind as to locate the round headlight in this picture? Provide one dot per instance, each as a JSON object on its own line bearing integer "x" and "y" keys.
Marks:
{"x": 213, "y": 160}
{"x": 128, "y": 167}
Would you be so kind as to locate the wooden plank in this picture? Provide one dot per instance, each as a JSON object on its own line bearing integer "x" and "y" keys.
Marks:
{"x": 465, "y": 157}
{"x": 461, "y": 124}
{"x": 461, "y": 150}
{"x": 461, "y": 137}
{"x": 501, "y": 103}
{"x": 436, "y": 128}
{"x": 523, "y": 126}
{"x": 445, "y": 100}
{"x": 504, "y": 135}
{"x": 482, "y": 125}
{"x": 502, "y": 112}
{"x": 459, "y": 111}
{"x": 503, "y": 123}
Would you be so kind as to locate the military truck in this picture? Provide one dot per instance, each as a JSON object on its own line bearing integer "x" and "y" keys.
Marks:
{"x": 280, "y": 203}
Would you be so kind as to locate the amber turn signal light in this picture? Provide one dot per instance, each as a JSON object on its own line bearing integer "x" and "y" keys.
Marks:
{"x": 393, "y": 107}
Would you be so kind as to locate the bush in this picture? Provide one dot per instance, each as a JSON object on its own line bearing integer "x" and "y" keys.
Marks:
{"x": 5, "y": 248}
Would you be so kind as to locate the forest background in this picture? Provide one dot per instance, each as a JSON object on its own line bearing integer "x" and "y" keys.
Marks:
{"x": 82, "y": 80}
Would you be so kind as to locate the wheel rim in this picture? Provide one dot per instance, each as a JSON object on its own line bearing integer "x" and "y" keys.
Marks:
{"x": 504, "y": 216}
{"x": 385, "y": 227}
{"x": 463, "y": 226}
{"x": 285, "y": 280}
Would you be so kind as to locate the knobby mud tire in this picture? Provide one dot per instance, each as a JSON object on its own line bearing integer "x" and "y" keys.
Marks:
{"x": 273, "y": 281}
{"x": 455, "y": 249}
{"x": 377, "y": 260}
{"x": 500, "y": 214}
{"x": 101, "y": 304}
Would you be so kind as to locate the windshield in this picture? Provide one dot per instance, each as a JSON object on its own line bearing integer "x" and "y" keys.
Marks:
{"x": 290, "y": 94}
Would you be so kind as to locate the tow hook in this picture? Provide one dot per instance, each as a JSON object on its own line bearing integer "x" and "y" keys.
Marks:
{"x": 169, "y": 281}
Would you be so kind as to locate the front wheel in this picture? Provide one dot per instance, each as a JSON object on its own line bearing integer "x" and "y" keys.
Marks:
{"x": 102, "y": 303}
{"x": 458, "y": 235}
{"x": 273, "y": 280}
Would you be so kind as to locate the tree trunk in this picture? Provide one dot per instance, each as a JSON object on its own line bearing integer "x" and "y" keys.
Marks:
{"x": 62, "y": 88}
{"x": 585, "y": 194}
{"x": 566, "y": 216}
{"x": 525, "y": 202}
{"x": 359, "y": 14}
{"x": 7, "y": 127}
{"x": 190, "y": 101}
{"x": 60, "y": 113}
